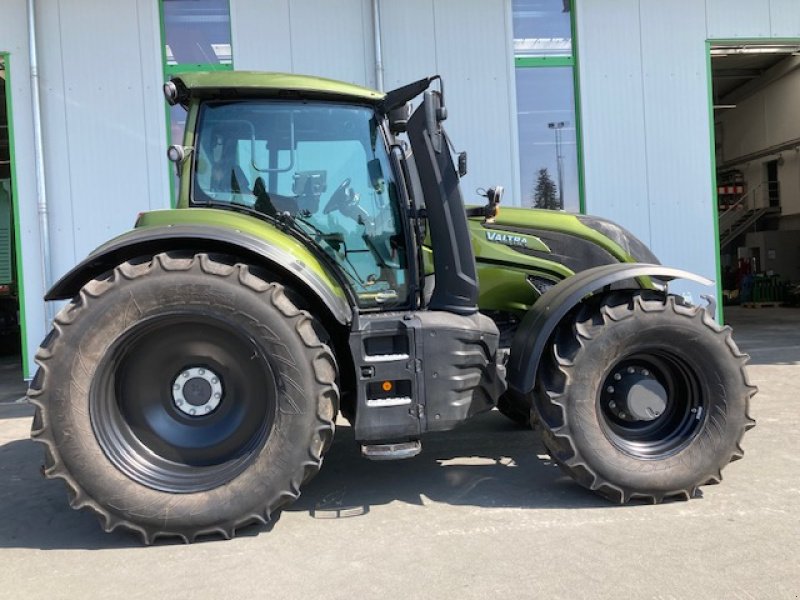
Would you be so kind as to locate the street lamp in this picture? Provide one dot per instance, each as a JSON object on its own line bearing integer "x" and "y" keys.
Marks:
{"x": 557, "y": 126}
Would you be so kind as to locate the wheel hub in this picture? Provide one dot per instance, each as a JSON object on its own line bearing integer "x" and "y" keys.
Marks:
{"x": 197, "y": 391}
{"x": 634, "y": 394}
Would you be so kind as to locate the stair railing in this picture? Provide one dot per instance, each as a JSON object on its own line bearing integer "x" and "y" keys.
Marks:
{"x": 728, "y": 218}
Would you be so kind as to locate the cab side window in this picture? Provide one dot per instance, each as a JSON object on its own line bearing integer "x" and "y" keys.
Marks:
{"x": 324, "y": 164}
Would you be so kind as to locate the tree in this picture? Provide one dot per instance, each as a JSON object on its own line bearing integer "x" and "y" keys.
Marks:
{"x": 545, "y": 194}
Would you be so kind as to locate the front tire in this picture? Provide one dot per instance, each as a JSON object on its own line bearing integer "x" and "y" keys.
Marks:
{"x": 641, "y": 396}
{"x": 183, "y": 396}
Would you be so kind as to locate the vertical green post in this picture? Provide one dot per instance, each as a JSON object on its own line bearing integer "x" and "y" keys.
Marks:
{"x": 5, "y": 57}
{"x": 578, "y": 120}
{"x": 714, "y": 207}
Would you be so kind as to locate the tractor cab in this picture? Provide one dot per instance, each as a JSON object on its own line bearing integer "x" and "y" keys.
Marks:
{"x": 322, "y": 168}
{"x": 328, "y": 166}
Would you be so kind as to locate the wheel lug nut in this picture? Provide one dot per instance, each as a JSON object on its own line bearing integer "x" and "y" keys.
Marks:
{"x": 631, "y": 370}
{"x": 645, "y": 372}
{"x": 610, "y": 389}
{"x": 214, "y": 380}
{"x": 185, "y": 374}
{"x": 622, "y": 415}
{"x": 179, "y": 402}
{"x": 617, "y": 376}
{"x": 612, "y": 404}
{"x": 201, "y": 372}
{"x": 217, "y": 396}
{"x": 192, "y": 412}
{"x": 177, "y": 386}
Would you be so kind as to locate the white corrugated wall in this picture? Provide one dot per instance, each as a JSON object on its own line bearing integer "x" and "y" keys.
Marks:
{"x": 328, "y": 39}
{"x": 645, "y": 115}
{"x": 468, "y": 42}
{"x": 103, "y": 120}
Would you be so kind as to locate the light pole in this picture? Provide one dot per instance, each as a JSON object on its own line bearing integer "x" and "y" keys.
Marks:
{"x": 557, "y": 126}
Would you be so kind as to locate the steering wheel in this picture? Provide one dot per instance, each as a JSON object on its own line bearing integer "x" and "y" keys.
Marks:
{"x": 339, "y": 198}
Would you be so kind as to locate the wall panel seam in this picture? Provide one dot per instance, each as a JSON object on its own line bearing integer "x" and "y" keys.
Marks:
{"x": 513, "y": 125}
{"x": 66, "y": 131}
{"x": 644, "y": 130}
{"x": 291, "y": 34}
{"x": 435, "y": 44}
{"x": 147, "y": 152}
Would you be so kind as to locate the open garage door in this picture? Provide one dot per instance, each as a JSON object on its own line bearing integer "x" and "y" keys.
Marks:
{"x": 11, "y": 384}
{"x": 756, "y": 97}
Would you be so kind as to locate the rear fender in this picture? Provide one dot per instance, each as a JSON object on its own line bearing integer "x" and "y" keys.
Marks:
{"x": 541, "y": 320}
{"x": 149, "y": 241}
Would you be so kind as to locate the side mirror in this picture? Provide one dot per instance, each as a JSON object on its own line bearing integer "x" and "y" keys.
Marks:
{"x": 435, "y": 113}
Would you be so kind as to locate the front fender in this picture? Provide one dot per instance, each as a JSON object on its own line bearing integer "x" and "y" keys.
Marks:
{"x": 541, "y": 320}
{"x": 297, "y": 264}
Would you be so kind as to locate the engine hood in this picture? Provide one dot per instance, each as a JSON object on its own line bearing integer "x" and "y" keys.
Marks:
{"x": 576, "y": 241}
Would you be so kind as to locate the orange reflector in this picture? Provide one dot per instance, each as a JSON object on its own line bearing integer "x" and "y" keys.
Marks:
{"x": 387, "y": 386}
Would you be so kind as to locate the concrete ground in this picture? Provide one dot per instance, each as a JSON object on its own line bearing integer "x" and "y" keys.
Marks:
{"x": 12, "y": 387}
{"x": 481, "y": 513}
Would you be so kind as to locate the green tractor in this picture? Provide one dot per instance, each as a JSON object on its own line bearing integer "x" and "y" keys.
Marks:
{"x": 322, "y": 260}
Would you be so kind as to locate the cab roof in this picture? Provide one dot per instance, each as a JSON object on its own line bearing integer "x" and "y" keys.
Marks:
{"x": 253, "y": 83}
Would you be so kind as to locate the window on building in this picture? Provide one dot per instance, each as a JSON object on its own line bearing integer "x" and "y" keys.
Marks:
{"x": 197, "y": 32}
{"x": 546, "y": 117}
{"x": 196, "y": 37}
{"x": 542, "y": 28}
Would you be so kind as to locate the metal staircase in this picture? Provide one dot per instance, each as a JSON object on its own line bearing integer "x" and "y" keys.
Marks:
{"x": 740, "y": 217}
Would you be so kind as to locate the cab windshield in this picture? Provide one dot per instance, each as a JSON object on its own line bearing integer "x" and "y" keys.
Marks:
{"x": 324, "y": 167}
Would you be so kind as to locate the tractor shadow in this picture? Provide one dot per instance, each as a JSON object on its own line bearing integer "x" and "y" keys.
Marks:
{"x": 34, "y": 512}
{"x": 488, "y": 462}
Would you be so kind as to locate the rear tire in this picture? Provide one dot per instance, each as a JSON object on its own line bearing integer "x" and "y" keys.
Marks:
{"x": 641, "y": 396}
{"x": 183, "y": 396}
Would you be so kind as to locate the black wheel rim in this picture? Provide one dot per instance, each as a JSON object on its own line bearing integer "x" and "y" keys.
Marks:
{"x": 145, "y": 417}
{"x": 652, "y": 404}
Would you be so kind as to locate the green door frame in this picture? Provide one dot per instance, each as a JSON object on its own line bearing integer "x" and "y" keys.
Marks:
{"x": 6, "y": 58}
{"x": 713, "y": 142}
